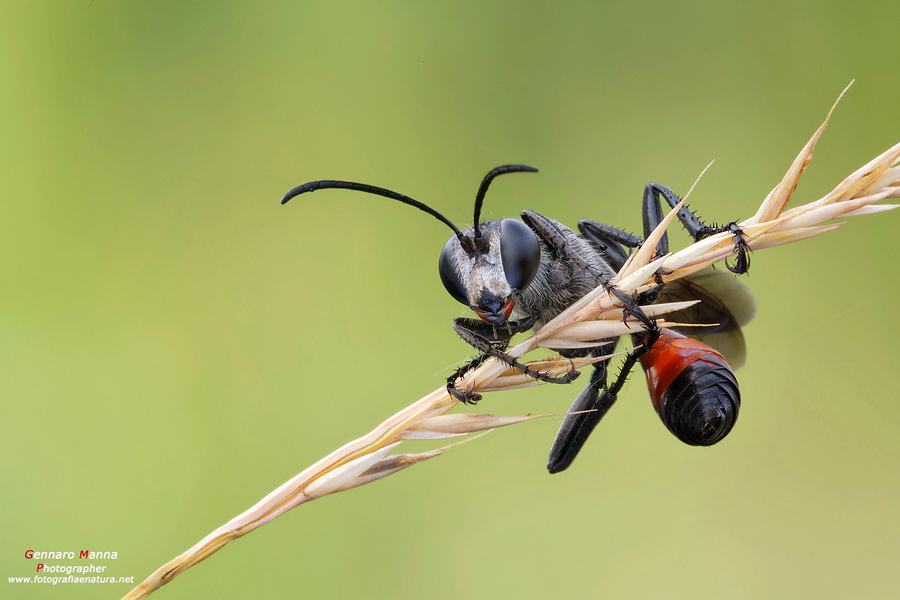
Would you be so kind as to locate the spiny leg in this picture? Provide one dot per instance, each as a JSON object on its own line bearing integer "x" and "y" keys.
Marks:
{"x": 465, "y": 396}
{"x": 499, "y": 335}
{"x": 484, "y": 345}
{"x": 577, "y": 428}
{"x": 608, "y": 241}
{"x": 491, "y": 340}
{"x": 741, "y": 249}
{"x": 583, "y": 415}
{"x": 653, "y": 216}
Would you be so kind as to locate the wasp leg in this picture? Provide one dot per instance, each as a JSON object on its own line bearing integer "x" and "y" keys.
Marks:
{"x": 465, "y": 396}
{"x": 652, "y": 211}
{"x": 547, "y": 231}
{"x": 741, "y": 249}
{"x": 485, "y": 346}
{"x": 577, "y": 428}
{"x": 608, "y": 241}
{"x": 497, "y": 334}
{"x": 497, "y": 337}
{"x": 741, "y": 262}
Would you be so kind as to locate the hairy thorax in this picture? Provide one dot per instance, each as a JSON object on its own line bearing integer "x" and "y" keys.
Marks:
{"x": 559, "y": 282}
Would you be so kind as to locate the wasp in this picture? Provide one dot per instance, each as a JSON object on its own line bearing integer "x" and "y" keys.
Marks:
{"x": 518, "y": 274}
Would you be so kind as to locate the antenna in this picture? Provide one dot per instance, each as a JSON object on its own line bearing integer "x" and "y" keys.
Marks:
{"x": 482, "y": 190}
{"x": 325, "y": 184}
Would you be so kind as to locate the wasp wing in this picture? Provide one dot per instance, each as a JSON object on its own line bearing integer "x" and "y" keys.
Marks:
{"x": 725, "y": 306}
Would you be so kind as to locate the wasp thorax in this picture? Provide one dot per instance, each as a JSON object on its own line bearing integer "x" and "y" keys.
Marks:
{"x": 483, "y": 269}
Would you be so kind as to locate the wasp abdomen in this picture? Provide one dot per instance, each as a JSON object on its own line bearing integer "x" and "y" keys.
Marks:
{"x": 693, "y": 389}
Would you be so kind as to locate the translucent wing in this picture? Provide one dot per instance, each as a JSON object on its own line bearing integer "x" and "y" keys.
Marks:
{"x": 725, "y": 306}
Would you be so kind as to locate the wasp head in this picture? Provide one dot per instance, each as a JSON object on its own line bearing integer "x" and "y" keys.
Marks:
{"x": 486, "y": 266}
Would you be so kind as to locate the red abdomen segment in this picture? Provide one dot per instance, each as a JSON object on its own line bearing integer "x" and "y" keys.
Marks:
{"x": 692, "y": 388}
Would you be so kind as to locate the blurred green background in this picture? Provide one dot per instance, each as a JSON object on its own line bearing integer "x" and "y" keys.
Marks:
{"x": 174, "y": 344}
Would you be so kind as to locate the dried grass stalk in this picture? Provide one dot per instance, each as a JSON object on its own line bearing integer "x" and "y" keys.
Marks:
{"x": 595, "y": 316}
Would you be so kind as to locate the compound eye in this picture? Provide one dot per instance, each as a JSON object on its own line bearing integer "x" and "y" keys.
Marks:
{"x": 520, "y": 252}
{"x": 449, "y": 274}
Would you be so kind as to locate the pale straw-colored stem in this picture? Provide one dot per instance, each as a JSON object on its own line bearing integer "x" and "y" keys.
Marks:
{"x": 593, "y": 317}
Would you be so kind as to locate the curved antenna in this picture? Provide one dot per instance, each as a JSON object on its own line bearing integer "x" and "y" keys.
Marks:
{"x": 325, "y": 184}
{"x": 502, "y": 170}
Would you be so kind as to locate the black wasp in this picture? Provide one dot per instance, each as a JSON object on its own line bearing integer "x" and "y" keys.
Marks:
{"x": 518, "y": 275}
